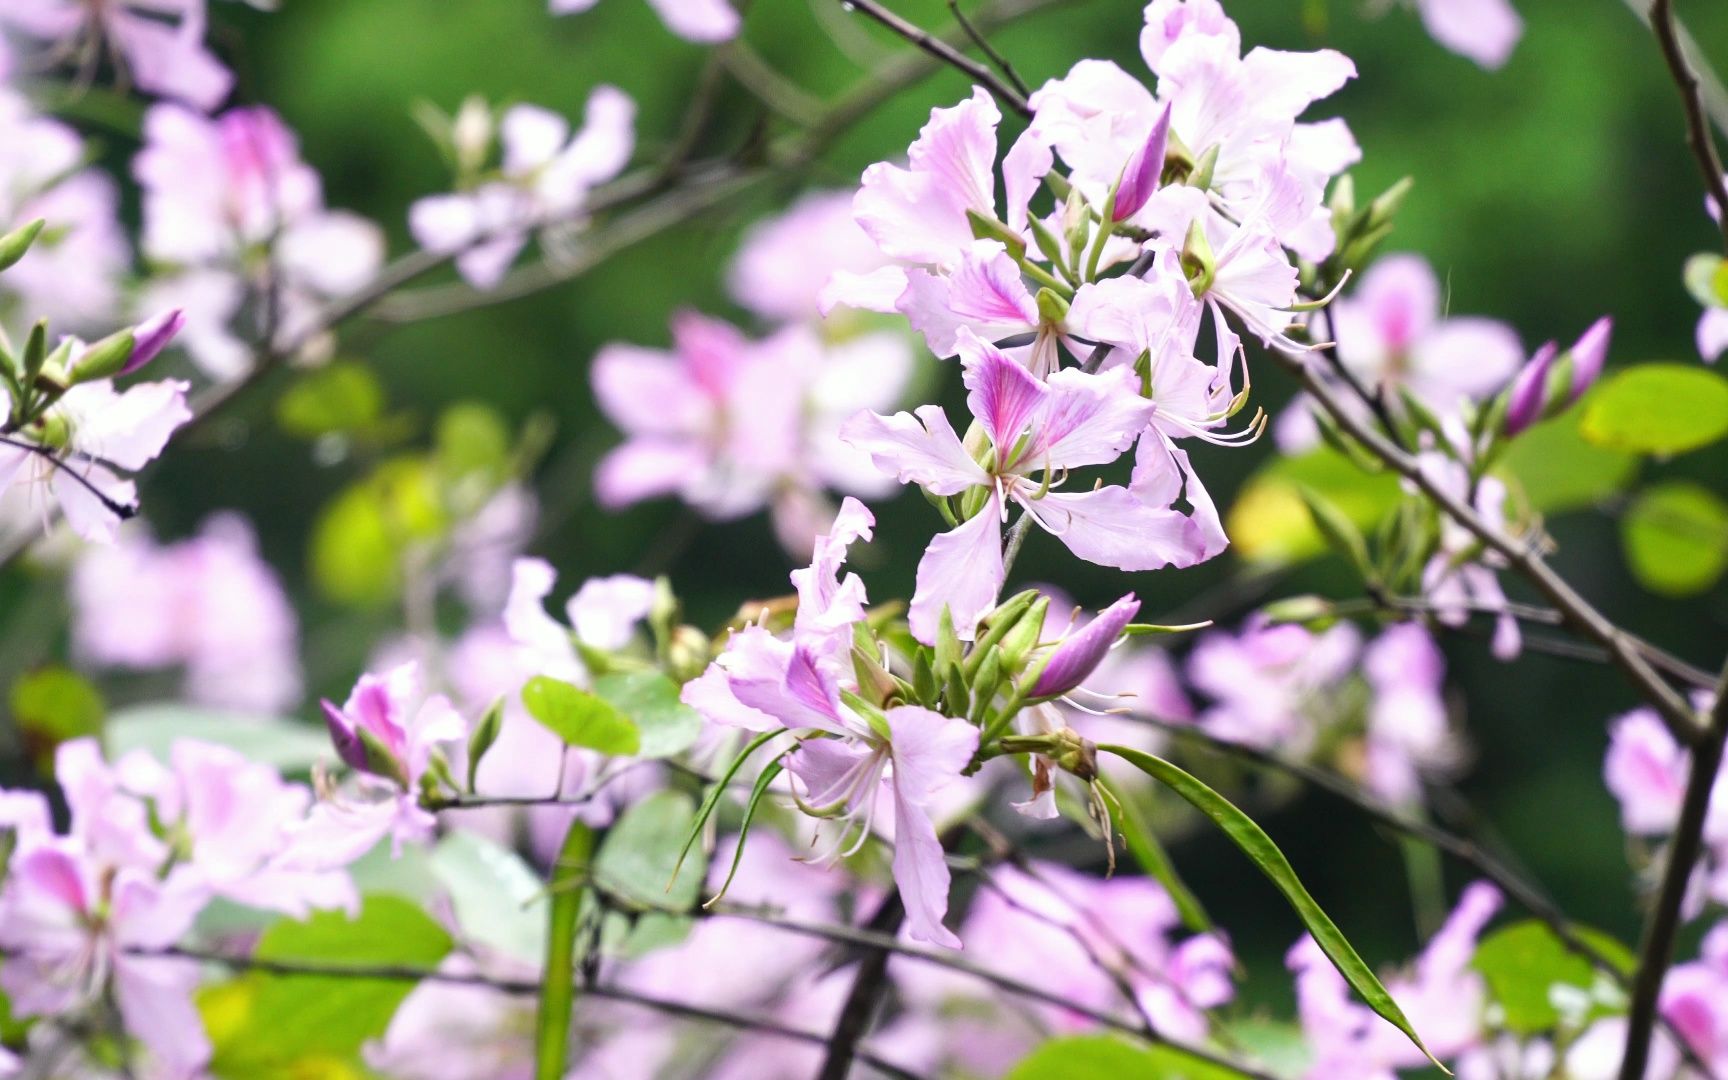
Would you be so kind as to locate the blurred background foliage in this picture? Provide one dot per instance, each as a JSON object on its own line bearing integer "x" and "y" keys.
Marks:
{"x": 1546, "y": 194}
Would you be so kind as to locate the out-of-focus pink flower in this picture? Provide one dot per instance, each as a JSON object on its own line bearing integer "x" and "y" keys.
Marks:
{"x": 731, "y": 425}
{"x": 70, "y": 932}
{"x": 784, "y": 262}
{"x": 1481, "y": 30}
{"x": 1646, "y": 771}
{"x": 1265, "y": 680}
{"x": 159, "y": 44}
{"x": 231, "y": 208}
{"x": 73, "y": 271}
{"x": 546, "y": 175}
{"x": 1694, "y": 1001}
{"x": 702, "y": 21}
{"x": 1408, "y": 734}
{"x": 208, "y": 604}
{"x": 1443, "y": 996}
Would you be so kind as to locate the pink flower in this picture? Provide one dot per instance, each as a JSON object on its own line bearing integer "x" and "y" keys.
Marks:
{"x": 72, "y": 930}
{"x": 105, "y": 430}
{"x": 731, "y": 426}
{"x": 1443, "y": 996}
{"x": 1069, "y": 421}
{"x": 159, "y": 44}
{"x": 1408, "y": 732}
{"x": 784, "y": 262}
{"x": 209, "y": 604}
{"x": 1646, "y": 771}
{"x": 545, "y": 177}
{"x": 389, "y": 731}
{"x": 218, "y": 194}
{"x": 1481, "y": 30}
{"x": 603, "y": 614}
{"x": 1267, "y": 682}
{"x": 701, "y": 21}
{"x": 1695, "y": 1000}
{"x": 918, "y": 214}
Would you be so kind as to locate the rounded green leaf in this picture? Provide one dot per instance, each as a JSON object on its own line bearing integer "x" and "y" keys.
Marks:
{"x": 339, "y": 398}
{"x": 1657, "y": 409}
{"x": 1558, "y": 470}
{"x": 1676, "y": 538}
{"x": 1526, "y": 962}
{"x": 651, "y": 701}
{"x": 580, "y": 718}
{"x": 642, "y": 848}
{"x": 1254, "y": 843}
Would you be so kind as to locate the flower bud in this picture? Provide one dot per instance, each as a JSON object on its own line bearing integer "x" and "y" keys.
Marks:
{"x": 1527, "y": 398}
{"x": 1076, "y": 656}
{"x": 1145, "y": 168}
{"x": 484, "y": 735}
{"x": 1588, "y": 356}
{"x": 1198, "y": 262}
{"x": 105, "y": 359}
{"x": 16, "y": 243}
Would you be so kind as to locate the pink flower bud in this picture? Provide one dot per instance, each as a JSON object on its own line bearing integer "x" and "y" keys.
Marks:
{"x": 152, "y": 336}
{"x": 1144, "y": 169}
{"x": 1078, "y": 655}
{"x": 1530, "y": 391}
{"x": 1589, "y": 354}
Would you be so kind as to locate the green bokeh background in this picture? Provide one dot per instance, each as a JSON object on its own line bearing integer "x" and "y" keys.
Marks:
{"x": 1546, "y": 194}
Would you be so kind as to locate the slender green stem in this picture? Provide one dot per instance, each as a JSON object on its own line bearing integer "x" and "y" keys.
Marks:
{"x": 558, "y": 985}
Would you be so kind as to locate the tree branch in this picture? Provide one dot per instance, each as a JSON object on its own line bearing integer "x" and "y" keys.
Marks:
{"x": 1698, "y": 135}
{"x": 1657, "y": 951}
{"x": 1622, "y": 647}
{"x": 948, "y": 54}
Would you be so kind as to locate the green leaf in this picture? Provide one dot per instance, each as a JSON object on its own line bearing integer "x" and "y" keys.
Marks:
{"x": 473, "y": 440}
{"x": 53, "y": 705}
{"x": 641, "y": 849}
{"x": 493, "y": 893}
{"x": 1559, "y": 471}
{"x": 280, "y": 1024}
{"x": 558, "y": 988}
{"x": 759, "y": 789}
{"x": 1113, "y": 1055}
{"x": 343, "y": 397}
{"x": 1339, "y": 532}
{"x": 284, "y": 744}
{"x": 1657, "y": 409}
{"x": 580, "y": 718}
{"x": 1524, "y": 963}
{"x": 1676, "y": 538}
{"x": 1254, "y": 843}
{"x": 650, "y": 700}
{"x": 360, "y": 536}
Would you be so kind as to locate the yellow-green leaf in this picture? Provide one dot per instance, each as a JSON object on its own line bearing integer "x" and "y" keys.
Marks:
{"x": 1657, "y": 409}
{"x": 1676, "y": 538}
{"x": 581, "y": 718}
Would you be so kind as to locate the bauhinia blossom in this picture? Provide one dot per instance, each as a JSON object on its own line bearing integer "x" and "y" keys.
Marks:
{"x": 1036, "y": 432}
{"x": 158, "y": 44}
{"x": 1484, "y": 31}
{"x": 731, "y": 425}
{"x": 232, "y": 213}
{"x": 850, "y": 757}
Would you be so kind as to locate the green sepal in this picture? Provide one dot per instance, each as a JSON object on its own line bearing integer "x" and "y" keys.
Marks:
{"x": 16, "y": 243}
{"x": 485, "y": 734}
{"x": 988, "y": 228}
{"x": 104, "y": 359}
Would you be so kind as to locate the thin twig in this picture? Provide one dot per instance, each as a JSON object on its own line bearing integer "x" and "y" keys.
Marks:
{"x": 1657, "y": 951}
{"x": 1710, "y": 84}
{"x": 1698, "y": 135}
{"x": 948, "y": 54}
{"x": 1579, "y": 612}
{"x": 989, "y": 50}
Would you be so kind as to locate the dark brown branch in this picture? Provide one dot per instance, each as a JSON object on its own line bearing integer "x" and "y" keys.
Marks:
{"x": 1657, "y": 950}
{"x": 1698, "y": 135}
{"x": 1580, "y": 614}
{"x": 990, "y": 52}
{"x": 948, "y": 54}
